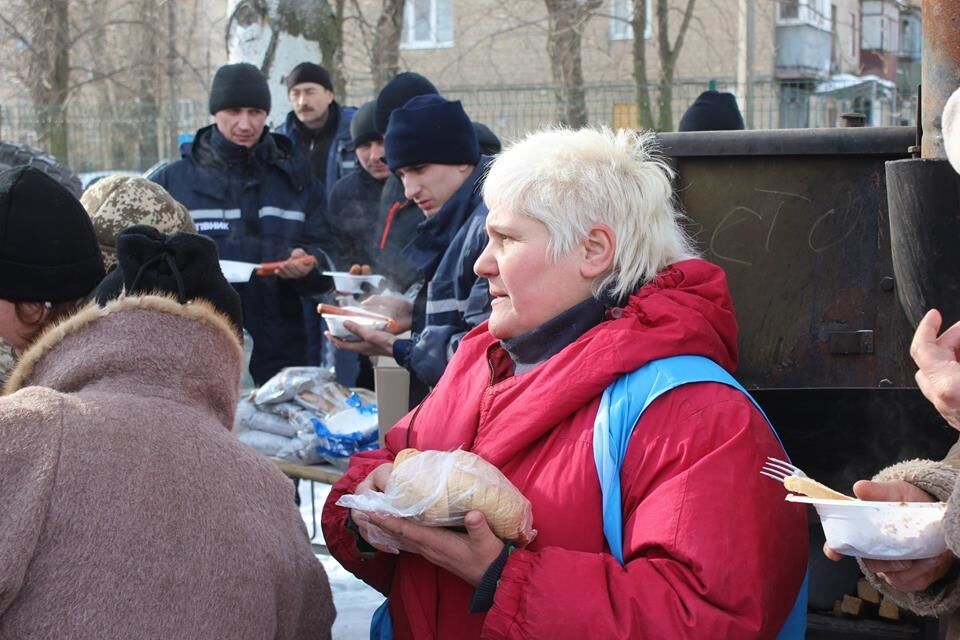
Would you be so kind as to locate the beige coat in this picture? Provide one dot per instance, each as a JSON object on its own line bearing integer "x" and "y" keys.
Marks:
{"x": 939, "y": 479}
{"x": 127, "y": 508}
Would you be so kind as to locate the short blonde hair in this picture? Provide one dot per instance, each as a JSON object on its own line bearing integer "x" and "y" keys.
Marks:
{"x": 571, "y": 180}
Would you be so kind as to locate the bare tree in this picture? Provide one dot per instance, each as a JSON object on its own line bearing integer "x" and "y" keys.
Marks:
{"x": 317, "y": 21}
{"x": 565, "y": 20}
{"x": 668, "y": 52}
{"x": 41, "y": 30}
{"x": 129, "y": 55}
{"x": 385, "y": 49}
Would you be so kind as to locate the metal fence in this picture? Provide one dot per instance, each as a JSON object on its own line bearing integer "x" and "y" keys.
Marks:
{"x": 135, "y": 135}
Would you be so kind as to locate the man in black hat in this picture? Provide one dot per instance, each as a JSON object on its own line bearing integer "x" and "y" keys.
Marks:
{"x": 251, "y": 192}
{"x": 354, "y": 202}
{"x": 399, "y": 217}
{"x": 712, "y": 111}
{"x": 320, "y": 129}
{"x": 432, "y": 146}
{"x": 318, "y": 125}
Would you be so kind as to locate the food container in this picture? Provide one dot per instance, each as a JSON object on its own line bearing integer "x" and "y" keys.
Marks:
{"x": 368, "y": 319}
{"x": 881, "y": 530}
{"x": 348, "y": 283}
{"x": 235, "y": 271}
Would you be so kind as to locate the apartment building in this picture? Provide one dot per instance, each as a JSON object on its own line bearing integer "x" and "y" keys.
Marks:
{"x": 791, "y": 63}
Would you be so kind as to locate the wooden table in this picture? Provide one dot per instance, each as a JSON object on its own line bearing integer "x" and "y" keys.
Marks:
{"x": 325, "y": 473}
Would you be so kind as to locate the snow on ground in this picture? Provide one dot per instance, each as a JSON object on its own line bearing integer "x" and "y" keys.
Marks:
{"x": 355, "y": 601}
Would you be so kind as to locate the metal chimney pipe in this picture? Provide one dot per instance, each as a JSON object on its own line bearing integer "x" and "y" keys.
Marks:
{"x": 939, "y": 70}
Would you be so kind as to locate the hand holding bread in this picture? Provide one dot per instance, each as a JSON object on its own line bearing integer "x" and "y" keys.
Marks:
{"x": 438, "y": 488}
{"x": 445, "y": 485}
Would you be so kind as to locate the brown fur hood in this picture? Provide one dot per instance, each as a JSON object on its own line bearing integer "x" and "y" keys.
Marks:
{"x": 148, "y": 344}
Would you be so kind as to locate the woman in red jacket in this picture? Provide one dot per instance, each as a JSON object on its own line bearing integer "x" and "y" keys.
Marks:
{"x": 592, "y": 278}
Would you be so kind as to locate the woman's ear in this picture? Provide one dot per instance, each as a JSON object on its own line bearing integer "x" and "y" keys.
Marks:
{"x": 32, "y": 313}
{"x": 597, "y": 250}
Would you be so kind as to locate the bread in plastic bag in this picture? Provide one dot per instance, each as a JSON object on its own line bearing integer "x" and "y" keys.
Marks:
{"x": 290, "y": 381}
{"x": 249, "y": 416}
{"x": 438, "y": 488}
{"x": 269, "y": 444}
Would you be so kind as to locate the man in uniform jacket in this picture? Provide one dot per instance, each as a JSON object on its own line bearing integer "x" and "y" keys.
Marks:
{"x": 251, "y": 192}
{"x": 320, "y": 129}
{"x": 354, "y": 202}
{"x": 318, "y": 125}
{"x": 431, "y": 145}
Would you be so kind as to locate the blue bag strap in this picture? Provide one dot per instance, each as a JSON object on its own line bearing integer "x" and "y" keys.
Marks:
{"x": 381, "y": 624}
{"x": 621, "y": 406}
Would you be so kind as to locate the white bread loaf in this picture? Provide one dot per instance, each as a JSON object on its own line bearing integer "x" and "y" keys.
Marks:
{"x": 442, "y": 486}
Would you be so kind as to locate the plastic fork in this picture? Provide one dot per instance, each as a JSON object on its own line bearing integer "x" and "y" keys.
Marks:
{"x": 795, "y": 480}
{"x": 780, "y": 469}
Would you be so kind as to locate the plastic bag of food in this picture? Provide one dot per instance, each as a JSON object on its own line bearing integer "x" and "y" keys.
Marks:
{"x": 269, "y": 444}
{"x": 276, "y": 421}
{"x": 291, "y": 381}
{"x": 438, "y": 488}
{"x": 324, "y": 399}
{"x": 334, "y": 437}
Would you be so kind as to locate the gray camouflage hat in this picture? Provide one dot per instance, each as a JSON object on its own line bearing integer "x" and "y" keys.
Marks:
{"x": 117, "y": 202}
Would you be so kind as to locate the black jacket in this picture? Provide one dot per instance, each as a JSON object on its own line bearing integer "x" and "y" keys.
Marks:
{"x": 257, "y": 204}
{"x": 352, "y": 212}
{"x": 396, "y": 228}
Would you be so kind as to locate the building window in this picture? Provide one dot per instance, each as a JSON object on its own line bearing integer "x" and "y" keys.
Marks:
{"x": 621, "y": 15}
{"x": 815, "y": 13}
{"x": 789, "y": 9}
{"x": 427, "y": 24}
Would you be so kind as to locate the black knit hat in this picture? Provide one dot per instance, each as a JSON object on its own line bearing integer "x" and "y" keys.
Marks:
{"x": 308, "y": 72}
{"x": 362, "y": 127}
{"x": 240, "y": 85}
{"x": 712, "y": 111}
{"x": 183, "y": 264}
{"x": 430, "y": 130}
{"x": 489, "y": 142}
{"x": 48, "y": 249}
{"x": 397, "y": 93}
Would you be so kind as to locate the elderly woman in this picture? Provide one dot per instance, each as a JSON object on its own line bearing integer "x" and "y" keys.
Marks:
{"x": 129, "y": 508}
{"x": 592, "y": 278}
{"x": 48, "y": 257}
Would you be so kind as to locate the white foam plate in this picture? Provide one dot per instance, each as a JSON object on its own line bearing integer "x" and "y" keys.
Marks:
{"x": 235, "y": 271}
{"x": 348, "y": 283}
{"x": 881, "y": 530}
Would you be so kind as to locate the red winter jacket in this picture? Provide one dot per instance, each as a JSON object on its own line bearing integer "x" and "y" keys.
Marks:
{"x": 712, "y": 550}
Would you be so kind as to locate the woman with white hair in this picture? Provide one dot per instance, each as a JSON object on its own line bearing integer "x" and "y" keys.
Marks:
{"x": 594, "y": 280}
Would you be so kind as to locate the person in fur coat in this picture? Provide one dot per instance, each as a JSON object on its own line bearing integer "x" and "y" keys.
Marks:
{"x": 129, "y": 508}
{"x": 929, "y": 586}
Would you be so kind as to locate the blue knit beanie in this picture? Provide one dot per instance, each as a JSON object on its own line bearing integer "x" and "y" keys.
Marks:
{"x": 430, "y": 130}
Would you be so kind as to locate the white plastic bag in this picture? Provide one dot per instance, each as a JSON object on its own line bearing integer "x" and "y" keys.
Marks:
{"x": 438, "y": 488}
{"x": 269, "y": 444}
{"x": 291, "y": 381}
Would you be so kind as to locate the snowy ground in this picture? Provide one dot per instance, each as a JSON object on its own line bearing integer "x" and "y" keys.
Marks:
{"x": 355, "y": 601}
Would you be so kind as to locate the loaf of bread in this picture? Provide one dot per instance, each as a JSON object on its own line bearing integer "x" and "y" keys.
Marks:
{"x": 442, "y": 486}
